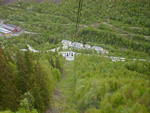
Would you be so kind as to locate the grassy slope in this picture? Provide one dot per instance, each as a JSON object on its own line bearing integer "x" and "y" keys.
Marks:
{"x": 123, "y": 26}
{"x": 106, "y": 87}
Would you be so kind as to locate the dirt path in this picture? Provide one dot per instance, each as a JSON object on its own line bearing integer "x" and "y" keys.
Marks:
{"x": 56, "y": 98}
{"x": 62, "y": 92}
{"x": 123, "y": 32}
{"x": 115, "y": 28}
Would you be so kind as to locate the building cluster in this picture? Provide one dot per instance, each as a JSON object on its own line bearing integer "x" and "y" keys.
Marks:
{"x": 70, "y": 55}
{"x": 67, "y": 44}
{"x": 8, "y": 29}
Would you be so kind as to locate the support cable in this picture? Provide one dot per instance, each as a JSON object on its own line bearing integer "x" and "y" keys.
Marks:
{"x": 78, "y": 15}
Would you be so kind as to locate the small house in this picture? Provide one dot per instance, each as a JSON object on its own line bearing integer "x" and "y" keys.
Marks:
{"x": 66, "y": 42}
{"x": 12, "y": 28}
{"x": 65, "y": 47}
{"x": 69, "y": 55}
{"x": 98, "y": 49}
{"x": 5, "y": 32}
{"x": 77, "y": 45}
{"x": 117, "y": 59}
{"x": 87, "y": 46}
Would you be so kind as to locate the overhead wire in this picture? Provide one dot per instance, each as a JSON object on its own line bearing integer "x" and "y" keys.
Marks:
{"x": 78, "y": 15}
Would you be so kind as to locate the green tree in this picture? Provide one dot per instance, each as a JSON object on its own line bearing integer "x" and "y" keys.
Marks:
{"x": 27, "y": 102}
{"x": 22, "y": 78}
{"x": 9, "y": 95}
{"x": 25, "y": 67}
{"x": 58, "y": 64}
{"x": 51, "y": 62}
{"x": 41, "y": 88}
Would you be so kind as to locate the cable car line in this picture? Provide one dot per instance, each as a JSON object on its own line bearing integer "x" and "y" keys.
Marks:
{"x": 78, "y": 15}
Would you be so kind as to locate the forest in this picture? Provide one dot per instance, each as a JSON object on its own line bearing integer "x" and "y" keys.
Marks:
{"x": 27, "y": 80}
{"x": 45, "y": 82}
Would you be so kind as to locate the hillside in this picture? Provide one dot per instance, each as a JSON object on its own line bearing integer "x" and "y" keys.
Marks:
{"x": 106, "y": 23}
{"x": 93, "y": 82}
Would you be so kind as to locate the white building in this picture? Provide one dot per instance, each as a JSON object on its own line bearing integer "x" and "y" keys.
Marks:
{"x": 5, "y": 32}
{"x": 69, "y": 55}
{"x": 65, "y": 47}
{"x": 87, "y": 46}
{"x": 77, "y": 45}
{"x": 117, "y": 59}
{"x": 66, "y": 42}
{"x": 98, "y": 49}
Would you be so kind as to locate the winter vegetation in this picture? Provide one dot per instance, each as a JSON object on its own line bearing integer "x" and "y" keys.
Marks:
{"x": 36, "y": 78}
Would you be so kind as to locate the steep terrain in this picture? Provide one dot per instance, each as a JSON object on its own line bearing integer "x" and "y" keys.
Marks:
{"x": 110, "y": 24}
{"x": 92, "y": 83}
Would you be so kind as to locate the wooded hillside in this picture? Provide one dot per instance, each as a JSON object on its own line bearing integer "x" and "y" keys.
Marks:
{"x": 44, "y": 82}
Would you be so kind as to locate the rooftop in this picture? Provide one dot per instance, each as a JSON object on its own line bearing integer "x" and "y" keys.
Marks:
{"x": 66, "y": 41}
{"x": 10, "y": 25}
{"x": 3, "y": 30}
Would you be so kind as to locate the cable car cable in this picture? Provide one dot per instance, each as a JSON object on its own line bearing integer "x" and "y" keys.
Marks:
{"x": 78, "y": 15}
